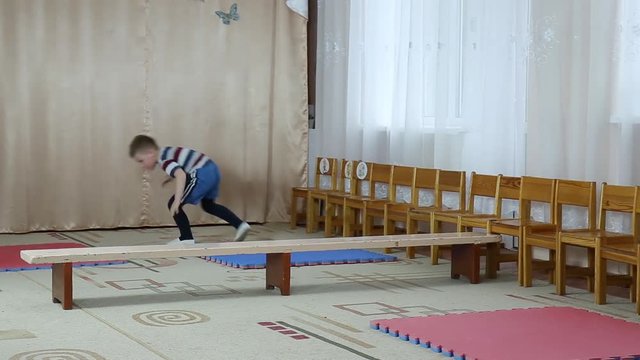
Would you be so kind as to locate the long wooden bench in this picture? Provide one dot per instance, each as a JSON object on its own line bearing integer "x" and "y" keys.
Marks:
{"x": 464, "y": 256}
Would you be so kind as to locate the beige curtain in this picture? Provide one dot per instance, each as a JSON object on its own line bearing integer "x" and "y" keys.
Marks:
{"x": 79, "y": 78}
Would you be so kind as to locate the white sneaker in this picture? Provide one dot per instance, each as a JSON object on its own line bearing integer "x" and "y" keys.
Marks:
{"x": 242, "y": 232}
{"x": 181, "y": 242}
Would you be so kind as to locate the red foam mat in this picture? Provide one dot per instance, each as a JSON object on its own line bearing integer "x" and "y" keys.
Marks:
{"x": 10, "y": 256}
{"x": 551, "y": 333}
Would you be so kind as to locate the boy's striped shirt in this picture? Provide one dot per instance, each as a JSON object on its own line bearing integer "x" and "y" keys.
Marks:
{"x": 173, "y": 157}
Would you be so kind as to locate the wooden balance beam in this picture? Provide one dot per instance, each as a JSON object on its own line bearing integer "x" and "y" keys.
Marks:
{"x": 465, "y": 255}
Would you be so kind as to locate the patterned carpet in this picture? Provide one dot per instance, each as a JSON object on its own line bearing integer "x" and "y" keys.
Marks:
{"x": 186, "y": 308}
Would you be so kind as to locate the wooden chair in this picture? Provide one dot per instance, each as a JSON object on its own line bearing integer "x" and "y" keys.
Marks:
{"x": 626, "y": 253}
{"x": 620, "y": 247}
{"x": 380, "y": 174}
{"x": 613, "y": 198}
{"x": 333, "y": 201}
{"x": 569, "y": 193}
{"x": 482, "y": 186}
{"x": 425, "y": 180}
{"x": 360, "y": 175}
{"x": 324, "y": 167}
{"x": 402, "y": 177}
{"x": 532, "y": 189}
{"x": 447, "y": 181}
{"x": 316, "y": 198}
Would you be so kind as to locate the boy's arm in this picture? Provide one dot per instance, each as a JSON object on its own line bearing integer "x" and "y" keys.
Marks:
{"x": 181, "y": 180}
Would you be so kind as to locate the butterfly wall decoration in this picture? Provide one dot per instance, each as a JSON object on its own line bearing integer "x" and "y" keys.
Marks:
{"x": 227, "y": 17}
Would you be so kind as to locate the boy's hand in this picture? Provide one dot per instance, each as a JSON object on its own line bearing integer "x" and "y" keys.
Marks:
{"x": 181, "y": 178}
{"x": 175, "y": 207}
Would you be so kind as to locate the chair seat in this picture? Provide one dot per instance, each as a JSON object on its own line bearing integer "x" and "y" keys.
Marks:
{"x": 398, "y": 207}
{"x": 358, "y": 197}
{"x": 433, "y": 209}
{"x": 513, "y": 227}
{"x": 592, "y": 235}
{"x": 624, "y": 252}
{"x": 337, "y": 197}
{"x": 588, "y": 238}
{"x": 314, "y": 192}
{"x": 518, "y": 222}
{"x": 545, "y": 239}
{"x": 375, "y": 208}
{"x": 422, "y": 211}
{"x": 379, "y": 205}
{"x": 302, "y": 189}
{"x": 476, "y": 219}
{"x": 360, "y": 202}
{"x": 450, "y": 214}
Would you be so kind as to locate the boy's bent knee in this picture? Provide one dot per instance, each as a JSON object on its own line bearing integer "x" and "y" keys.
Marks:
{"x": 206, "y": 203}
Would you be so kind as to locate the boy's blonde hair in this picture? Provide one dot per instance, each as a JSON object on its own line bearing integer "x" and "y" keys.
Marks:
{"x": 140, "y": 143}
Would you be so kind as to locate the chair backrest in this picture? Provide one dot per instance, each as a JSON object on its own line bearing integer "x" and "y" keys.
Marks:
{"x": 539, "y": 190}
{"x": 575, "y": 193}
{"x": 347, "y": 175}
{"x": 360, "y": 174}
{"x": 326, "y": 168}
{"x": 380, "y": 175}
{"x": 508, "y": 189}
{"x": 426, "y": 179}
{"x": 403, "y": 177}
{"x": 449, "y": 181}
{"x": 621, "y": 199}
{"x": 486, "y": 186}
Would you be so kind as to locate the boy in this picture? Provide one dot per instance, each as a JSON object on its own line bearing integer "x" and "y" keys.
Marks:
{"x": 197, "y": 181}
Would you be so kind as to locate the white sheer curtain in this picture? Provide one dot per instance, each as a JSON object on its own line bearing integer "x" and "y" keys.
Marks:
{"x": 584, "y": 81}
{"x": 541, "y": 87}
{"x": 436, "y": 83}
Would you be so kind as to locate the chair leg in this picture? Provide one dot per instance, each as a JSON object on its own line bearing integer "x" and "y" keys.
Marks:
{"x": 591, "y": 262}
{"x": 411, "y": 229}
{"x": 293, "y": 223}
{"x": 387, "y": 226}
{"x": 339, "y": 215}
{"x": 634, "y": 283}
{"x": 600, "y": 279}
{"x": 367, "y": 223}
{"x": 348, "y": 220}
{"x": 389, "y": 229}
{"x": 328, "y": 220}
{"x": 435, "y": 252}
{"x": 519, "y": 263}
{"x": 638, "y": 289}
{"x": 312, "y": 215}
{"x": 527, "y": 264}
{"x": 552, "y": 273}
{"x": 560, "y": 268}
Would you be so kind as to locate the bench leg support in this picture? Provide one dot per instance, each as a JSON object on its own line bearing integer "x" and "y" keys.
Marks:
{"x": 465, "y": 260}
{"x": 279, "y": 272}
{"x": 493, "y": 253}
{"x": 62, "y": 285}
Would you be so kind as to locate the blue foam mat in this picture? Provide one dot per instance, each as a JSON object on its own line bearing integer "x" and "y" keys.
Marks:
{"x": 307, "y": 258}
{"x": 48, "y": 267}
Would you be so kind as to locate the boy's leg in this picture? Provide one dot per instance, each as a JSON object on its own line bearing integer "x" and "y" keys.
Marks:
{"x": 206, "y": 191}
{"x": 182, "y": 221}
{"x": 222, "y": 212}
